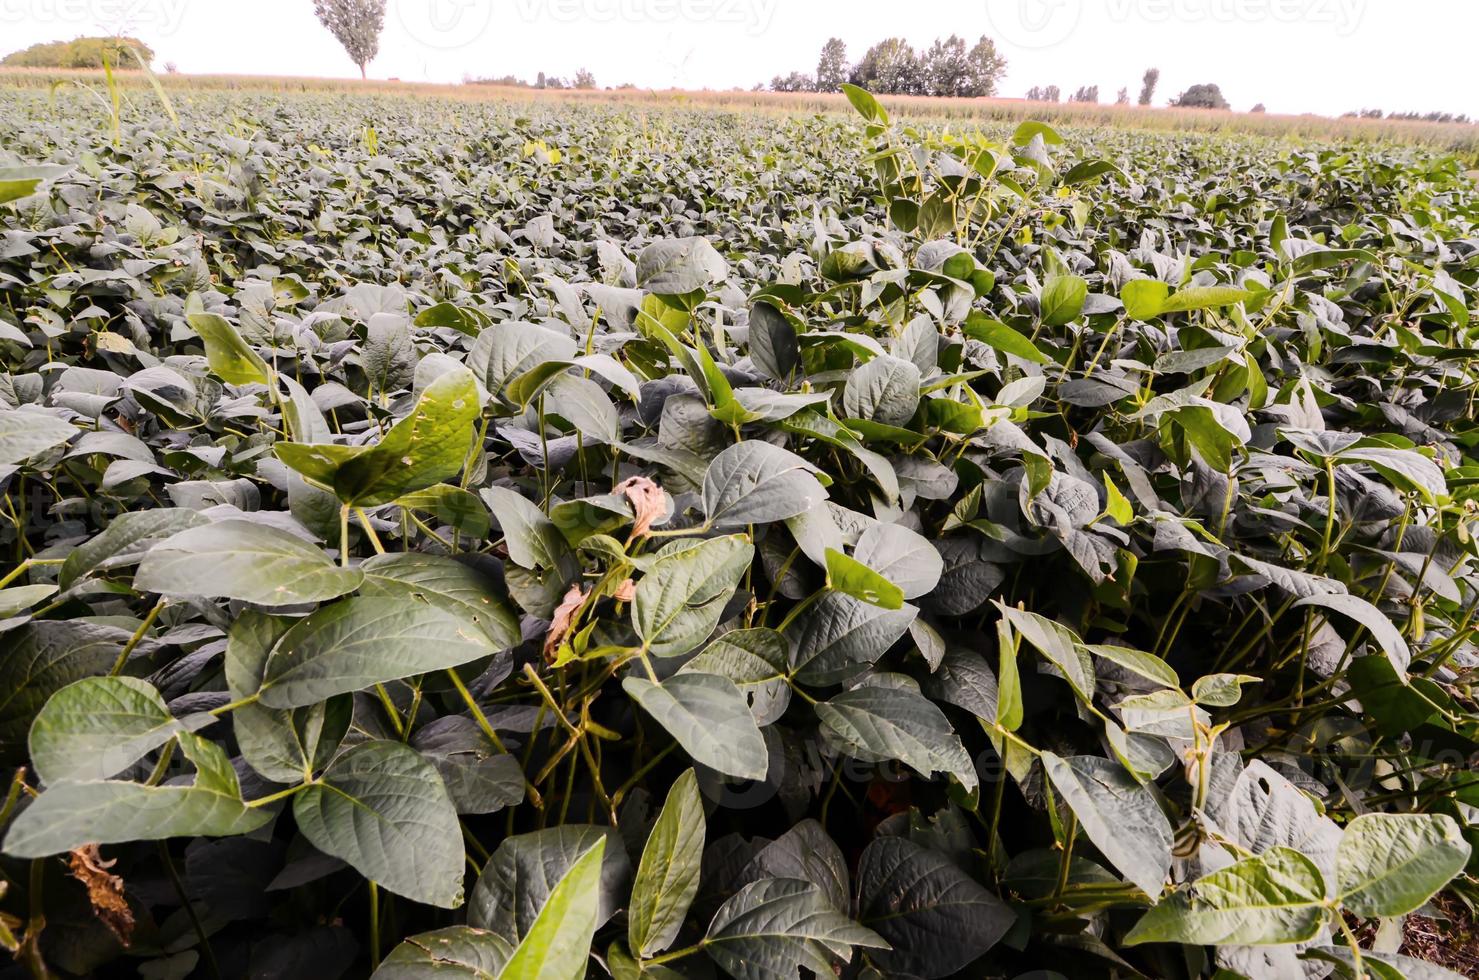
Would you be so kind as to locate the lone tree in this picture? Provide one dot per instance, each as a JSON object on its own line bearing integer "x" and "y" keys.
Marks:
{"x": 832, "y": 66}
{"x": 1147, "y": 88}
{"x": 357, "y": 24}
{"x": 1205, "y": 96}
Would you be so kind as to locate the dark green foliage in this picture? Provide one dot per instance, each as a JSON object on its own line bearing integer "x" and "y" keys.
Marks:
{"x": 543, "y": 540}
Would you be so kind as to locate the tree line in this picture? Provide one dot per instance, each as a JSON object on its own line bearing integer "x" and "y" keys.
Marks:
{"x": 948, "y": 67}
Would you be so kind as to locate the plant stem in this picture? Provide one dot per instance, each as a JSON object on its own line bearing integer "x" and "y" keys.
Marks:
{"x": 206, "y": 952}
{"x": 138, "y": 637}
{"x": 374, "y": 925}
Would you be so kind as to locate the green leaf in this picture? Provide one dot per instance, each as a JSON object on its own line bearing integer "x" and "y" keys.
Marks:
{"x": 881, "y": 723}
{"x": 936, "y": 917}
{"x": 885, "y": 389}
{"x": 559, "y": 943}
{"x": 1382, "y": 966}
{"x": 998, "y": 335}
{"x": 904, "y": 557}
{"x": 681, "y": 598}
{"x": 863, "y": 101}
{"x": 667, "y": 877}
{"x": 422, "y": 450}
{"x": 1382, "y": 629}
{"x": 1144, "y": 299}
{"x": 359, "y": 642}
{"x": 99, "y": 726}
{"x": 1205, "y": 298}
{"x": 776, "y": 927}
{"x": 25, "y": 434}
{"x": 1118, "y": 508}
{"x": 41, "y": 658}
{"x": 708, "y": 716}
{"x": 1057, "y": 644}
{"x": 517, "y": 881}
{"x": 839, "y": 636}
{"x": 68, "y": 815}
{"x": 757, "y": 483}
{"x": 448, "y": 585}
{"x": 1275, "y": 898}
{"x": 861, "y": 582}
{"x": 19, "y": 182}
{"x": 679, "y": 266}
{"x": 1389, "y": 865}
{"x": 1119, "y": 815}
{"x": 1063, "y": 299}
{"x": 458, "y": 508}
{"x": 1221, "y": 690}
{"x": 479, "y": 778}
{"x": 126, "y": 540}
{"x": 246, "y": 561}
{"x": 533, "y": 540}
{"x": 229, "y": 356}
{"x": 456, "y": 951}
{"x": 382, "y": 809}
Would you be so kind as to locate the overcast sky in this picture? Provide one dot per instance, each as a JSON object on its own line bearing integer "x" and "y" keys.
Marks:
{"x": 1325, "y": 56}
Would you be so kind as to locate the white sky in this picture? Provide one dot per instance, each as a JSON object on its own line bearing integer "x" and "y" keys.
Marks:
{"x": 1323, "y": 56}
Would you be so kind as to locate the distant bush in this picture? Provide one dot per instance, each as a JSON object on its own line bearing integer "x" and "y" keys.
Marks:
{"x": 84, "y": 52}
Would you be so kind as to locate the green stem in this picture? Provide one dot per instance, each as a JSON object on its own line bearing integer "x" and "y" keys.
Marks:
{"x": 374, "y": 925}
{"x": 137, "y": 638}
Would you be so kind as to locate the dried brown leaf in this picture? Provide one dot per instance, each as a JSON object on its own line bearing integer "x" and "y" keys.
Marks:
{"x": 104, "y": 890}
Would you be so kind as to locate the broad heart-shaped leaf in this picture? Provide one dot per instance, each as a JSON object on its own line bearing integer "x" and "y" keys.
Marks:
{"x": 1119, "y": 815}
{"x": 506, "y": 351}
{"x": 886, "y": 389}
{"x": 1056, "y": 643}
{"x": 904, "y": 557}
{"x": 520, "y": 876}
{"x": 428, "y": 446}
{"x": 25, "y": 434}
{"x": 880, "y": 723}
{"x": 1275, "y": 898}
{"x": 246, "y": 561}
{"x": 68, "y": 815}
{"x": 861, "y": 582}
{"x": 757, "y": 483}
{"x": 479, "y": 778}
{"x": 839, "y": 636}
{"x": 1382, "y": 629}
{"x": 1063, "y": 299}
{"x": 382, "y": 809}
{"x": 680, "y": 599}
{"x": 445, "y": 584}
{"x": 99, "y": 726}
{"x": 286, "y": 745}
{"x": 667, "y": 877}
{"x": 450, "y": 953}
{"x": 229, "y": 356}
{"x": 350, "y": 645}
{"x": 559, "y": 942}
{"x": 936, "y": 917}
{"x": 679, "y": 266}
{"x": 709, "y": 717}
{"x": 1390, "y": 864}
{"x": 774, "y": 928}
